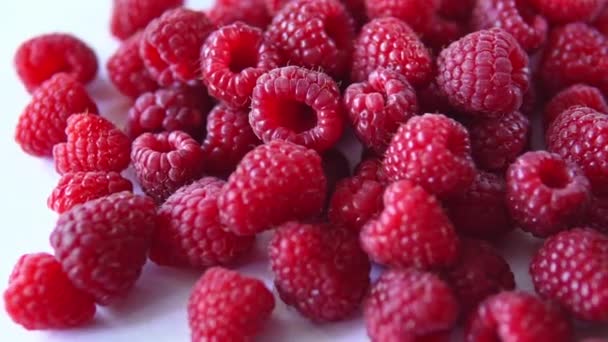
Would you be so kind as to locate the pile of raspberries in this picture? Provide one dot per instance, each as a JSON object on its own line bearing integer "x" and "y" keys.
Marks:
{"x": 236, "y": 115}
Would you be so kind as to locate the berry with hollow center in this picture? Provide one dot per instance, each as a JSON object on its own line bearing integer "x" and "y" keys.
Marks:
{"x": 576, "y": 95}
{"x": 355, "y": 201}
{"x": 131, "y": 16}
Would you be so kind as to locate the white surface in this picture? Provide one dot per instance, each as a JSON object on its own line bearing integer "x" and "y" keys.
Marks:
{"x": 155, "y": 310}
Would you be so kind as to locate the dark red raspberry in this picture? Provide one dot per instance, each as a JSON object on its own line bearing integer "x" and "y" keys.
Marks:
{"x": 565, "y": 11}
{"x": 103, "y": 244}
{"x": 166, "y": 161}
{"x": 80, "y": 187}
{"x": 409, "y": 305}
{"x": 93, "y": 144}
{"x": 371, "y": 168}
{"x": 232, "y": 59}
{"x": 130, "y": 16}
{"x": 320, "y": 270}
{"x": 127, "y": 71}
{"x": 459, "y": 10}
{"x": 378, "y": 106}
{"x": 40, "y": 295}
{"x": 314, "y": 34}
{"x": 441, "y": 32}
{"x": 392, "y": 44}
{"x": 576, "y": 95}
{"x": 601, "y": 23}
{"x": 42, "y": 123}
{"x": 298, "y": 105}
{"x": 41, "y": 57}
{"x": 355, "y": 201}
{"x": 251, "y": 12}
{"x": 575, "y": 53}
{"x": 433, "y": 151}
{"x": 227, "y": 306}
{"x": 273, "y": 183}
{"x": 496, "y": 142}
{"x": 518, "y": 316}
{"x": 572, "y": 269}
{"x": 416, "y": 13}
{"x": 412, "y": 230}
{"x": 171, "y": 45}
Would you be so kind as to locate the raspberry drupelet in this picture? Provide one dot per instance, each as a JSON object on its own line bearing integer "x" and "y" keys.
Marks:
{"x": 251, "y": 12}
{"x": 564, "y": 11}
{"x": 355, "y": 201}
{"x": 576, "y": 95}
{"x": 131, "y": 16}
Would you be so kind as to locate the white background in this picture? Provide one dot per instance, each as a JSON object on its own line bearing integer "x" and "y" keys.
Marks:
{"x": 155, "y": 310}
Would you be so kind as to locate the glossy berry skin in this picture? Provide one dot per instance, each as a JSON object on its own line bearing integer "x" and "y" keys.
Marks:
{"x": 562, "y": 11}
{"x": 572, "y": 269}
{"x": 355, "y": 201}
{"x": 40, "y": 295}
{"x": 130, "y": 16}
{"x": 320, "y": 270}
{"x": 41, "y": 57}
{"x": 274, "y": 183}
{"x": 171, "y": 45}
{"x": 232, "y": 59}
{"x": 103, "y": 244}
{"x": 227, "y": 306}
{"x": 411, "y": 231}
{"x": 253, "y": 12}
{"x": 416, "y": 13}
{"x": 378, "y": 106}
{"x": 576, "y": 95}
{"x": 80, "y": 187}
{"x": 409, "y": 305}
{"x": 433, "y": 151}
{"x": 518, "y": 316}
{"x": 43, "y": 121}
{"x": 484, "y": 74}
{"x": 297, "y": 105}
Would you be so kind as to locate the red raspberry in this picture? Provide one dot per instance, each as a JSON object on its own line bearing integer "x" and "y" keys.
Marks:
{"x": 601, "y": 23}
{"x": 572, "y": 269}
{"x": 378, "y": 106}
{"x": 314, "y": 34}
{"x": 355, "y": 7}
{"x": 319, "y": 270}
{"x": 370, "y": 168}
{"x": 576, "y": 95}
{"x": 103, "y": 244}
{"x": 80, "y": 187}
{"x": 164, "y": 162}
{"x": 251, "y": 12}
{"x": 297, "y": 105}
{"x": 392, "y": 44}
{"x": 433, "y": 151}
{"x": 171, "y": 45}
{"x": 416, "y": 13}
{"x": 127, "y": 71}
{"x": 355, "y": 201}
{"x": 93, "y": 144}
{"x": 575, "y": 53}
{"x": 189, "y": 232}
{"x": 130, "y": 16}
{"x": 484, "y": 74}
{"x": 42, "y": 123}
{"x": 409, "y": 305}
{"x": 518, "y": 316}
{"x": 459, "y": 10}
{"x": 412, "y": 230}
{"x": 441, "y": 32}
{"x": 232, "y": 59}
{"x": 226, "y": 306}
{"x": 41, "y": 57}
{"x": 565, "y": 11}
{"x": 273, "y": 183}
{"x": 40, "y": 295}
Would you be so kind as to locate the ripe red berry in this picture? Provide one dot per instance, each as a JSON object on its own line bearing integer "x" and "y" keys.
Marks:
{"x": 576, "y": 95}
{"x": 416, "y": 13}
{"x": 130, "y": 16}
{"x": 441, "y": 32}
{"x": 371, "y": 168}
{"x": 563, "y": 11}
{"x": 355, "y": 201}
{"x": 252, "y": 12}
{"x": 601, "y": 22}
{"x": 355, "y": 7}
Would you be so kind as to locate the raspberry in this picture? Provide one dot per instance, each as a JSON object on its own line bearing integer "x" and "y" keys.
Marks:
{"x": 370, "y": 168}
{"x": 319, "y": 270}
{"x": 252, "y": 12}
{"x": 164, "y": 162}
{"x": 41, "y": 57}
{"x": 412, "y": 230}
{"x": 456, "y": 9}
{"x": 229, "y": 138}
{"x": 314, "y": 34}
{"x": 297, "y": 105}
{"x": 601, "y": 23}
{"x": 171, "y": 45}
{"x": 497, "y": 142}
{"x": 572, "y": 269}
{"x": 42, "y": 123}
{"x": 355, "y": 201}
{"x": 409, "y": 305}
{"x": 575, "y": 53}
{"x": 392, "y": 44}
{"x": 189, "y": 233}
{"x": 80, "y": 187}
{"x": 441, "y": 32}
{"x": 40, "y": 295}
{"x": 433, "y": 151}
{"x": 416, "y": 13}
{"x": 481, "y": 211}
{"x": 272, "y": 184}
{"x": 576, "y": 95}
{"x": 563, "y": 11}
{"x": 226, "y": 306}
{"x": 518, "y": 316}
{"x": 103, "y": 244}
{"x": 93, "y": 144}
{"x": 127, "y": 71}
{"x": 130, "y": 16}
{"x": 232, "y": 59}
{"x": 378, "y": 106}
